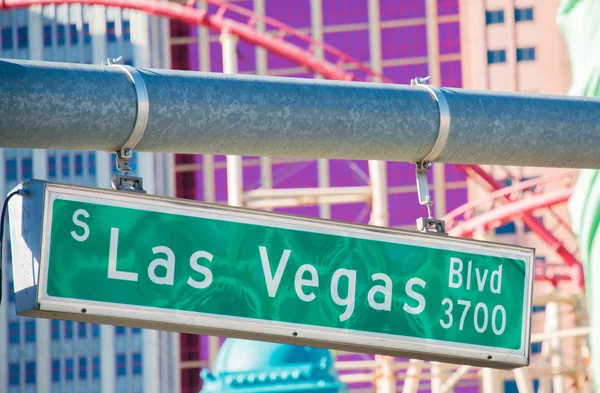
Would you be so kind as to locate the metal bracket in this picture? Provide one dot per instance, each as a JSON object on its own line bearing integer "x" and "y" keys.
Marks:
{"x": 128, "y": 183}
{"x": 125, "y": 182}
{"x": 445, "y": 117}
{"x": 429, "y": 224}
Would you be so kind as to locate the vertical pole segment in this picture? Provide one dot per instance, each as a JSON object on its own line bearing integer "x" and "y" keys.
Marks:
{"x": 492, "y": 383}
{"x": 234, "y": 163}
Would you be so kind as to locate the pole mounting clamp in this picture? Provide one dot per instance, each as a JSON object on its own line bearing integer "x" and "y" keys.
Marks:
{"x": 445, "y": 117}
{"x": 429, "y": 224}
{"x": 125, "y": 153}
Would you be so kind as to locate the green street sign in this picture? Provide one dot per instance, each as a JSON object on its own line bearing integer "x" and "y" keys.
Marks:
{"x": 127, "y": 259}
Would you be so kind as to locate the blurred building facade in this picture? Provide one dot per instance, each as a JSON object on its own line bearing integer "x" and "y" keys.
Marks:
{"x": 43, "y": 356}
{"x": 485, "y": 44}
{"x": 390, "y": 36}
{"x": 513, "y": 45}
{"x": 517, "y": 46}
{"x": 403, "y": 39}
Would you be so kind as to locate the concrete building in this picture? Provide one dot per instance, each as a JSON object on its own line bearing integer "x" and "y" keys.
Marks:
{"x": 38, "y": 355}
{"x": 513, "y": 45}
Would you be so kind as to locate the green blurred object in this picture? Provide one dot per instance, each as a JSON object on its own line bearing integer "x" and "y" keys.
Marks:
{"x": 579, "y": 21}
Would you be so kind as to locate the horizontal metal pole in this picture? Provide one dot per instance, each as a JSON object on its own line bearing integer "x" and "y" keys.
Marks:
{"x": 83, "y": 107}
{"x": 282, "y": 193}
{"x": 574, "y": 332}
{"x": 308, "y": 201}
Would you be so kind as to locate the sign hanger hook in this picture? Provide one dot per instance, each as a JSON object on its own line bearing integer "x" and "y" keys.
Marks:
{"x": 429, "y": 224}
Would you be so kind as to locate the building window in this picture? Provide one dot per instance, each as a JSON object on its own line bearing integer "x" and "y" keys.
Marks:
{"x": 110, "y": 31}
{"x": 542, "y": 261}
{"x": 14, "y": 374}
{"x": 494, "y": 17}
{"x": 78, "y": 165}
{"x": 69, "y": 369}
{"x": 7, "y": 38}
{"x": 87, "y": 37}
{"x": 95, "y": 330}
{"x": 30, "y": 331}
{"x": 136, "y": 330}
{"x": 190, "y": 347}
{"x": 496, "y": 56}
{"x": 82, "y": 368}
{"x": 60, "y": 35}
{"x": 22, "y": 37}
{"x": 11, "y": 292}
{"x": 30, "y": 373}
{"x": 14, "y": 333}
{"x": 506, "y": 229}
{"x": 74, "y": 34}
{"x": 55, "y": 328}
{"x": 11, "y": 170}
{"x": 525, "y": 54}
{"x": 82, "y": 329}
{"x": 523, "y": 14}
{"x": 121, "y": 365}
{"x": 92, "y": 163}
{"x": 126, "y": 31}
{"x": 120, "y": 330}
{"x": 65, "y": 165}
{"x": 55, "y": 370}
{"x": 27, "y": 167}
{"x": 96, "y": 367}
{"x": 52, "y": 166}
{"x": 47, "y": 36}
{"x": 136, "y": 364}
{"x": 68, "y": 329}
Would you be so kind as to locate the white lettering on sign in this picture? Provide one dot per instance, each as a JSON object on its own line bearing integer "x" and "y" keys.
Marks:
{"x": 348, "y": 302}
{"x": 480, "y": 321}
{"x": 499, "y": 330}
{"x": 481, "y": 281}
{"x": 415, "y": 295}
{"x": 479, "y": 317}
{"x": 273, "y": 281}
{"x": 385, "y": 290}
{"x": 496, "y": 278}
{"x": 455, "y": 269}
{"x": 456, "y": 278}
{"x": 342, "y": 288}
{"x": 299, "y": 282}
{"x": 81, "y": 224}
{"x": 208, "y": 277}
{"x": 168, "y": 264}
{"x": 112, "y": 259}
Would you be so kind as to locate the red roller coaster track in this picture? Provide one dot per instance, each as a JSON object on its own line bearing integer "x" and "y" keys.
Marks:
{"x": 274, "y": 41}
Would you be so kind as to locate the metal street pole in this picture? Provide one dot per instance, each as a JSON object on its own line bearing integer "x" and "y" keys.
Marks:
{"x": 82, "y": 107}
{"x": 235, "y": 182}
